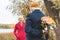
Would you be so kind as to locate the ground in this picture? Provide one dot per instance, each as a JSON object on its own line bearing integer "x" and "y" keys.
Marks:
{"x": 10, "y": 36}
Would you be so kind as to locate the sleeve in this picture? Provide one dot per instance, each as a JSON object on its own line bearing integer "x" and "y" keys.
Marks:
{"x": 29, "y": 29}
{"x": 15, "y": 29}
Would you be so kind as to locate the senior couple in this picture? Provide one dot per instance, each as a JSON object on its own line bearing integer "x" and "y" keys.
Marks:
{"x": 31, "y": 29}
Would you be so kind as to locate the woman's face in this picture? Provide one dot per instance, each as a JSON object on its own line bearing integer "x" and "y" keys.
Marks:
{"x": 20, "y": 19}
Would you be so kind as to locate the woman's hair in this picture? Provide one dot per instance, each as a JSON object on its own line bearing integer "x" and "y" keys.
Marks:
{"x": 21, "y": 16}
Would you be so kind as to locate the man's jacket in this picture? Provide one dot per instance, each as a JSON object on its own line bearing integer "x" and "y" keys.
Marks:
{"x": 33, "y": 28}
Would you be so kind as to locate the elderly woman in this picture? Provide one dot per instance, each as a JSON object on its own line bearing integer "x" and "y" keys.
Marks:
{"x": 19, "y": 29}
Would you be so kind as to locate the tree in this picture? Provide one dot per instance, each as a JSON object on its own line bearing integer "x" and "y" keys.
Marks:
{"x": 53, "y": 7}
{"x": 20, "y": 7}
{"x": 45, "y": 10}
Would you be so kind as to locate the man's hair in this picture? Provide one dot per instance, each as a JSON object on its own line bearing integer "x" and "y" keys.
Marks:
{"x": 34, "y": 4}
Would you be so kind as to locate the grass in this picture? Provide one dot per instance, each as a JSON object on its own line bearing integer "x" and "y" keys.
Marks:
{"x": 10, "y": 36}
{"x": 7, "y": 36}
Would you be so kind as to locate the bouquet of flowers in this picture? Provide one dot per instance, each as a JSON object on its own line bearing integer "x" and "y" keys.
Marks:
{"x": 48, "y": 22}
{"x": 49, "y": 25}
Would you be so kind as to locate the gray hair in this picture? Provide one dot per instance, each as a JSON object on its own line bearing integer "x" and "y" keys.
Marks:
{"x": 21, "y": 16}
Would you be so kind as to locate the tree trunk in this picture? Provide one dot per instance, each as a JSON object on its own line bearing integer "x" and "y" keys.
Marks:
{"x": 52, "y": 11}
{"x": 54, "y": 14}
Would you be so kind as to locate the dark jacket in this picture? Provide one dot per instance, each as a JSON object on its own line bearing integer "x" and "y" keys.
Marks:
{"x": 33, "y": 28}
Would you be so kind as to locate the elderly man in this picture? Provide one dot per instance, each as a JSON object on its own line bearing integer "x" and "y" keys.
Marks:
{"x": 33, "y": 29}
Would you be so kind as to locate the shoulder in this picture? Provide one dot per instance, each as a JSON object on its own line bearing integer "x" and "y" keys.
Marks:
{"x": 28, "y": 15}
{"x": 23, "y": 22}
{"x": 16, "y": 24}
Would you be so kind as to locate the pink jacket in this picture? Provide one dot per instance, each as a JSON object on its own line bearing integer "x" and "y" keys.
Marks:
{"x": 19, "y": 31}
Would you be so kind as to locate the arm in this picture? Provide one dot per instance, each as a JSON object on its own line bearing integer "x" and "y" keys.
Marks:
{"x": 15, "y": 29}
{"x": 29, "y": 29}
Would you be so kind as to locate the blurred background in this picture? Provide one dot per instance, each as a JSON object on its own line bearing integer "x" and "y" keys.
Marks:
{"x": 11, "y": 9}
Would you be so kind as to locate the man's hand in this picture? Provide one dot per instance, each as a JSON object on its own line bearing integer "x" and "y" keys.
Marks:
{"x": 44, "y": 31}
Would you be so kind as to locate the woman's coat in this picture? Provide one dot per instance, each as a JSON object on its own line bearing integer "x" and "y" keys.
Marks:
{"x": 19, "y": 31}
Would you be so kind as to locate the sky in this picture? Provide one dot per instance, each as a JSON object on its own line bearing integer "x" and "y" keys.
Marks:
{"x": 6, "y": 17}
